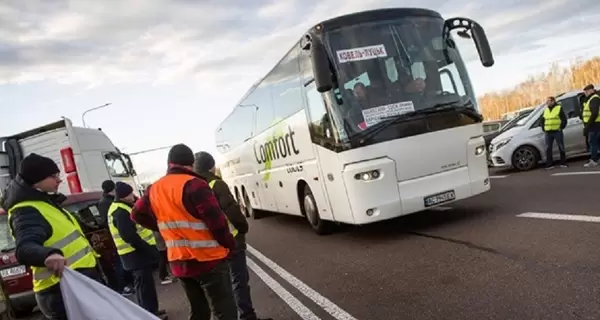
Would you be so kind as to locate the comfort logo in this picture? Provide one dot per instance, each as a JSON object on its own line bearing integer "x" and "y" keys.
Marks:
{"x": 279, "y": 146}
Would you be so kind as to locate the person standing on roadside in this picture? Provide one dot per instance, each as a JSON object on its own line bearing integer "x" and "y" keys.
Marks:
{"x": 205, "y": 167}
{"x": 591, "y": 121}
{"x": 185, "y": 211}
{"x": 47, "y": 237}
{"x": 163, "y": 261}
{"x": 136, "y": 248}
{"x": 123, "y": 279}
{"x": 554, "y": 121}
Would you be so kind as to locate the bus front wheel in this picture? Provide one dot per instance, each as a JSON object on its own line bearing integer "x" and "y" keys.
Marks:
{"x": 321, "y": 227}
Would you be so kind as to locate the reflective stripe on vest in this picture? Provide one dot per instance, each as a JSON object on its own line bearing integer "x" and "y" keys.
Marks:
{"x": 552, "y": 120}
{"x": 587, "y": 113}
{"x": 122, "y": 246}
{"x": 232, "y": 229}
{"x": 67, "y": 236}
{"x": 186, "y": 237}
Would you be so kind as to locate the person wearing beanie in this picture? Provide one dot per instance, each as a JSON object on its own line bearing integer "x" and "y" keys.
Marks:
{"x": 188, "y": 213}
{"x": 47, "y": 237}
{"x": 108, "y": 196}
{"x": 136, "y": 248}
{"x": 204, "y": 166}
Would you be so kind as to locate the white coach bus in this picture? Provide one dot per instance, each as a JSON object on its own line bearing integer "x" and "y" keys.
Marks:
{"x": 368, "y": 117}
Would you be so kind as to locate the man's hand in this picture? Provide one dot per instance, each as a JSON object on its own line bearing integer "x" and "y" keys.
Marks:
{"x": 56, "y": 263}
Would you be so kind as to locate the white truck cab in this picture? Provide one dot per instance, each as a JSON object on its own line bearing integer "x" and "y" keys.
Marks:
{"x": 85, "y": 156}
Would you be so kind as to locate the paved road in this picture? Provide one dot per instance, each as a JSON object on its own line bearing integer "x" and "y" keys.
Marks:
{"x": 474, "y": 259}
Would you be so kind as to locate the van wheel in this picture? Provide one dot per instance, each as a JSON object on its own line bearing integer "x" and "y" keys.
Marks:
{"x": 525, "y": 158}
{"x": 309, "y": 206}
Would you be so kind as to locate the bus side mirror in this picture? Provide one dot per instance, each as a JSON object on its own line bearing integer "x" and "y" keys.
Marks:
{"x": 483, "y": 45}
{"x": 320, "y": 65}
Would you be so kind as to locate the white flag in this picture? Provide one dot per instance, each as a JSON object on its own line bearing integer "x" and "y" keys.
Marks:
{"x": 86, "y": 299}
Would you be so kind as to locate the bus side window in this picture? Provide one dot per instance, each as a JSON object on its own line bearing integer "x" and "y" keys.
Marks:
{"x": 319, "y": 123}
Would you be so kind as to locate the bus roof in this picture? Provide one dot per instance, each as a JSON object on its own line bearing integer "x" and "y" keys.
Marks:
{"x": 378, "y": 14}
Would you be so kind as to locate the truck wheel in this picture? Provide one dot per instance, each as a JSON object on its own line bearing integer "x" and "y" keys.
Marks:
{"x": 525, "y": 158}
{"x": 321, "y": 227}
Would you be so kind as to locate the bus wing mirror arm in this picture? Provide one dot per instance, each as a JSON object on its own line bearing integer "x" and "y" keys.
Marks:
{"x": 321, "y": 65}
{"x": 477, "y": 34}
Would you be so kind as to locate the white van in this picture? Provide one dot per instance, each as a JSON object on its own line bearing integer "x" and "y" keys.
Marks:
{"x": 85, "y": 156}
{"x": 523, "y": 146}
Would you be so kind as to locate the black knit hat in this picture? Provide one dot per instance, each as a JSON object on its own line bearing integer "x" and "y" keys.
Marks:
{"x": 182, "y": 155}
{"x": 122, "y": 189}
{"x": 108, "y": 186}
{"x": 204, "y": 162}
{"x": 35, "y": 168}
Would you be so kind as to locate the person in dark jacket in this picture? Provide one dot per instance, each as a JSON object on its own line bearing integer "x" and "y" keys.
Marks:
{"x": 123, "y": 279}
{"x": 591, "y": 121}
{"x": 144, "y": 259}
{"x": 204, "y": 166}
{"x": 554, "y": 121}
{"x": 206, "y": 282}
{"x": 38, "y": 180}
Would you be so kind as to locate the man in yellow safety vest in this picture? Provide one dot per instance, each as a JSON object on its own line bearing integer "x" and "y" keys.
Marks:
{"x": 591, "y": 121}
{"x": 204, "y": 166}
{"x": 47, "y": 237}
{"x": 554, "y": 121}
{"x": 136, "y": 247}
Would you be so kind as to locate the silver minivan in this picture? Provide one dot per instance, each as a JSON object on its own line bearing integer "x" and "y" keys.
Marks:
{"x": 523, "y": 146}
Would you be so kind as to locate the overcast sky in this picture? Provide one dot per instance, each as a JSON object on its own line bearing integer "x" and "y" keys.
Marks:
{"x": 173, "y": 69}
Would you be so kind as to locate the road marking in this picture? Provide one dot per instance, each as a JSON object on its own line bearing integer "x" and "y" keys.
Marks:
{"x": 441, "y": 208}
{"x": 303, "y": 311}
{"x": 559, "y": 216}
{"x": 498, "y": 177}
{"x": 575, "y": 173}
{"x": 331, "y": 308}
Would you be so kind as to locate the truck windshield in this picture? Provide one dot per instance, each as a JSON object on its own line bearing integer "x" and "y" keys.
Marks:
{"x": 392, "y": 67}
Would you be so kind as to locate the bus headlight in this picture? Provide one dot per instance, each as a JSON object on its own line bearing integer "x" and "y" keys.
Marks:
{"x": 479, "y": 150}
{"x": 368, "y": 176}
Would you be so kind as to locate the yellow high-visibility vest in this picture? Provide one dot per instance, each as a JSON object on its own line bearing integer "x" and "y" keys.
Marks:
{"x": 587, "y": 113}
{"x": 232, "y": 229}
{"x": 67, "y": 236}
{"x": 552, "y": 118}
{"x": 122, "y": 246}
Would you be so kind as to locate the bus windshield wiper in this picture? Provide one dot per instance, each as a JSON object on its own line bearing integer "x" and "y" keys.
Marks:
{"x": 465, "y": 108}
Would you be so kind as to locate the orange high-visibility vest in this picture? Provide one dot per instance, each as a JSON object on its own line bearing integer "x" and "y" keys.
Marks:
{"x": 186, "y": 237}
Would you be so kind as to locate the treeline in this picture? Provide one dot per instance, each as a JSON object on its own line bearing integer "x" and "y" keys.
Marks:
{"x": 534, "y": 90}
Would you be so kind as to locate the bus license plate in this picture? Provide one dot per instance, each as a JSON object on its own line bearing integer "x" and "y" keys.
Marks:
{"x": 14, "y": 271}
{"x": 439, "y": 198}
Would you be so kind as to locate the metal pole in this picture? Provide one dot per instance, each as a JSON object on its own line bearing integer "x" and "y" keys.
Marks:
{"x": 92, "y": 109}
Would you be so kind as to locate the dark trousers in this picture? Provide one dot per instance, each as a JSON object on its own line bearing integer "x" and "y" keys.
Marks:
{"x": 163, "y": 265}
{"x": 145, "y": 289}
{"x": 594, "y": 142}
{"x": 123, "y": 277}
{"x": 241, "y": 289}
{"x": 550, "y": 138}
{"x": 211, "y": 293}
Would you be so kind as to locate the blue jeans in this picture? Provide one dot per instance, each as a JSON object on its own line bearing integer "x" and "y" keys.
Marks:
{"x": 594, "y": 140}
{"x": 550, "y": 138}
{"x": 241, "y": 289}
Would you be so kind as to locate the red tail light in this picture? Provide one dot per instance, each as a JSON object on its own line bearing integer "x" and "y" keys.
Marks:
{"x": 68, "y": 160}
{"x": 73, "y": 182}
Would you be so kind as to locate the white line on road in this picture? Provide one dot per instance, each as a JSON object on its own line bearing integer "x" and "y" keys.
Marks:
{"x": 331, "y": 308}
{"x": 557, "y": 216}
{"x": 498, "y": 177}
{"x": 304, "y": 312}
{"x": 575, "y": 173}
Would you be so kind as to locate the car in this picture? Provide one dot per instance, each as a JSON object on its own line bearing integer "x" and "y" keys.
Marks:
{"x": 16, "y": 278}
{"x": 523, "y": 147}
{"x": 492, "y": 126}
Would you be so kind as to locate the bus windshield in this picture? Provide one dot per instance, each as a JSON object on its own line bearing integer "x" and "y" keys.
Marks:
{"x": 387, "y": 68}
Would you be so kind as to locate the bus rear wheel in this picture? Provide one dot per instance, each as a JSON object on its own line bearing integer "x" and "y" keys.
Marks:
{"x": 309, "y": 206}
{"x": 248, "y": 210}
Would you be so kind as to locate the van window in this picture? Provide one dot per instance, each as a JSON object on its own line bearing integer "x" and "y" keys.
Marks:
{"x": 570, "y": 106}
{"x": 115, "y": 165}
